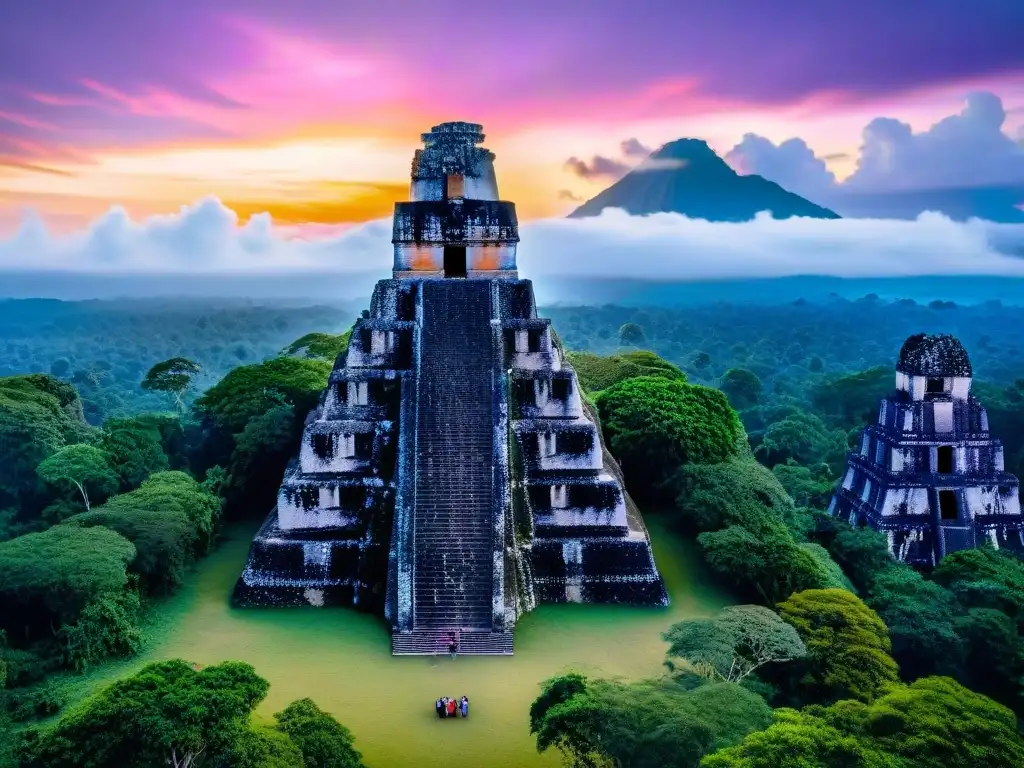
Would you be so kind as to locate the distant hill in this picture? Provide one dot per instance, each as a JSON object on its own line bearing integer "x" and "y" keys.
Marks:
{"x": 687, "y": 177}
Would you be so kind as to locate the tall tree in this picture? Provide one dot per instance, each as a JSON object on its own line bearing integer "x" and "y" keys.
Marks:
{"x": 735, "y": 643}
{"x": 174, "y": 376}
{"x": 323, "y": 741}
{"x": 847, "y": 645}
{"x": 169, "y": 713}
{"x": 742, "y": 387}
{"x": 53, "y": 581}
{"x": 83, "y": 467}
{"x": 653, "y": 425}
{"x": 647, "y": 724}
{"x": 326, "y": 346}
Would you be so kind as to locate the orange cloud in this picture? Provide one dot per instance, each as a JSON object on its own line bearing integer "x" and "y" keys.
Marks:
{"x": 32, "y": 167}
{"x": 351, "y": 202}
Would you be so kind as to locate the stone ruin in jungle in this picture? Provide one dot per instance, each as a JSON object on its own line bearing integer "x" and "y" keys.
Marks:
{"x": 452, "y": 476}
{"x": 929, "y": 474}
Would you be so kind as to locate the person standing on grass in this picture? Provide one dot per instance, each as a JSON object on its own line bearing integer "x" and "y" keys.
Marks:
{"x": 451, "y": 707}
{"x": 439, "y": 707}
{"x": 465, "y": 707}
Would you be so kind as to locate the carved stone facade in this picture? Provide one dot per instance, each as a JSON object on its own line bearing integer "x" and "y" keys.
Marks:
{"x": 455, "y": 225}
{"x": 452, "y": 476}
{"x": 929, "y": 474}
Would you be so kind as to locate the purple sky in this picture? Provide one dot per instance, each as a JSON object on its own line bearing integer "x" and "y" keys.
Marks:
{"x": 748, "y": 51}
{"x": 79, "y": 76}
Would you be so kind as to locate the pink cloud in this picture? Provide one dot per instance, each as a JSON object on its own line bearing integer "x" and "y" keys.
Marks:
{"x": 313, "y": 78}
{"x": 287, "y": 81}
{"x": 156, "y": 102}
{"x": 60, "y": 100}
{"x": 27, "y": 122}
{"x": 35, "y": 149}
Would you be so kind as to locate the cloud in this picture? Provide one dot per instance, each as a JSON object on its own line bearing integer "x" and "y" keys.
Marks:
{"x": 792, "y": 164}
{"x": 598, "y": 167}
{"x": 568, "y": 194}
{"x": 633, "y": 148}
{"x": 34, "y": 168}
{"x": 965, "y": 150}
{"x": 208, "y": 238}
{"x": 612, "y": 169}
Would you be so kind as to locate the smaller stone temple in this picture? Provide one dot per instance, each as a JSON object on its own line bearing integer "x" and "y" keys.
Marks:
{"x": 929, "y": 474}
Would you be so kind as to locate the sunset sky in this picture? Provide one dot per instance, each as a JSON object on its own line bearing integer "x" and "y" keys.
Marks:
{"x": 311, "y": 109}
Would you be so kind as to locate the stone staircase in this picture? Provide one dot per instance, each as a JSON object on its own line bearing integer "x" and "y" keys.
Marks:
{"x": 438, "y": 642}
{"x": 453, "y": 532}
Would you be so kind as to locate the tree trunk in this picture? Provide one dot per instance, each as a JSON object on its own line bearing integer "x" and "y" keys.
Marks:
{"x": 85, "y": 496}
{"x": 186, "y": 760}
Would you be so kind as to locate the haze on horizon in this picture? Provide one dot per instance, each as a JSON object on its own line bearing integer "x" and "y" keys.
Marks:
{"x": 310, "y": 112}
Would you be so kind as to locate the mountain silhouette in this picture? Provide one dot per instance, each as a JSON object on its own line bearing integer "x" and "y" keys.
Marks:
{"x": 687, "y": 177}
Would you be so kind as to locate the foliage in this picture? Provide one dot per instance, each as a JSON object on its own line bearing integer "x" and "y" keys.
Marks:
{"x": 920, "y": 616}
{"x": 177, "y": 491}
{"x": 259, "y": 747}
{"x": 250, "y": 390}
{"x": 851, "y": 400}
{"x": 742, "y": 387}
{"x": 862, "y": 553}
{"x": 164, "y": 539}
{"x": 803, "y": 438}
{"x": 992, "y": 655}
{"x": 55, "y": 574}
{"x": 35, "y": 421}
{"x": 847, "y": 645}
{"x": 322, "y": 740}
{"x": 734, "y": 643}
{"x": 830, "y": 571}
{"x": 654, "y": 425}
{"x": 35, "y": 702}
{"x": 111, "y": 344}
{"x": 80, "y": 466}
{"x": 769, "y": 565}
{"x": 648, "y": 724}
{"x": 326, "y": 346}
{"x": 985, "y": 577}
{"x": 597, "y": 372}
{"x": 171, "y": 520}
{"x": 169, "y": 712}
{"x": 932, "y": 723}
{"x": 3, "y": 661}
{"x": 66, "y": 599}
{"x": 807, "y": 486}
{"x": 737, "y": 491}
{"x": 108, "y": 626}
{"x": 937, "y": 723}
{"x": 802, "y": 740}
{"x": 134, "y": 448}
{"x": 262, "y": 451}
{"x": 174, "y": 376}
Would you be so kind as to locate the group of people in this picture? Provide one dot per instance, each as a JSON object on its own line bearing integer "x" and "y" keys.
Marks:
{"x": 449, "y": 707}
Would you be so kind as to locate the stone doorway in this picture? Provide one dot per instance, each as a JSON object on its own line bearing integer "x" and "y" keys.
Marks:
{"x": 455, "y": 261}
{"x": 948, "y": 508}
{"x": 944, "y": 454}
